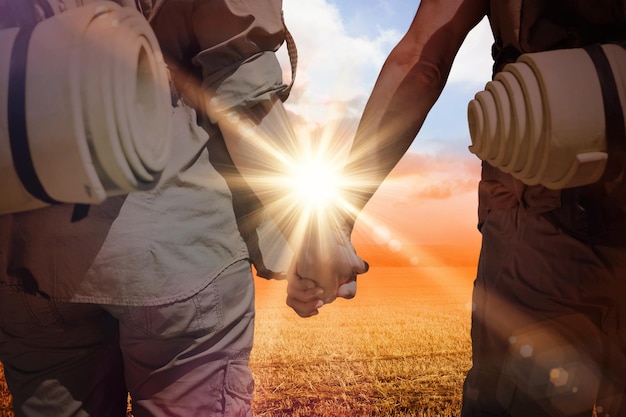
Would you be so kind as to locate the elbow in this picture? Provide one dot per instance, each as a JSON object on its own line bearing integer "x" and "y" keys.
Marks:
{"x": 425, "y": 71}
{"x": 429, "y": 74}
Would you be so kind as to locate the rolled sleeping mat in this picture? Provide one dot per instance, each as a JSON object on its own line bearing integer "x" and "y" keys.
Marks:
{"x": 555, "y": 118}
{"x": 85, "y": 108}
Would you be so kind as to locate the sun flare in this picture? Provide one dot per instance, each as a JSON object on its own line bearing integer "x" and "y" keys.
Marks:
{"x": 299, "y": 173}
{"x": 315, "y": 184}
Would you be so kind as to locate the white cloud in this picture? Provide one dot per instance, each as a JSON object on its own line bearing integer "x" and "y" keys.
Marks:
{"x": 473, "y": 62}
{"x": 333, "y": 67}
{"x": 337, "y": 69}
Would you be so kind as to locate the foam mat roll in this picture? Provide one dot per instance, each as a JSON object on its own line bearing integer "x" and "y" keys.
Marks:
{"x": 543, "y": 120}
{"x": 85, "y": 108}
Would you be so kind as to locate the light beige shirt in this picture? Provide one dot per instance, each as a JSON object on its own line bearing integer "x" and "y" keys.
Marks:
{"x": 163, "y": 245}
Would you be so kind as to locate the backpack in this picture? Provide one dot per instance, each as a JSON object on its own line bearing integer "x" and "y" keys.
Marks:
{"x": 595, "y": 213}
{"x": 521, "y": 26}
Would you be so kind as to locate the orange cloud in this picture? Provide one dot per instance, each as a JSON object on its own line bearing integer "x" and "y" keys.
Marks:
{"x": 425, "y": 211}
{"x": 423, "y": 214}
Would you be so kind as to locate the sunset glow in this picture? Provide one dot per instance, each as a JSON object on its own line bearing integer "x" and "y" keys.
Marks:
{"x": 401, "y": 346}
{"x": 315, "y": 183}
{"x": 297, "y": 169}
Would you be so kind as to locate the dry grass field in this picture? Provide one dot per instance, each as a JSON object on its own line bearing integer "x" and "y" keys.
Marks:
{"x": 5, "y": 397}
{"x": 400, "y": 348}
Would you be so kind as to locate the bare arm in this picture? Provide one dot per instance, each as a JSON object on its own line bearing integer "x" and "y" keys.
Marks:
{"x": 408, "y": 85}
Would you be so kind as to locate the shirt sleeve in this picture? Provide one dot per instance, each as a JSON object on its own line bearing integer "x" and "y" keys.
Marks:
{"x": 222, "y": 52}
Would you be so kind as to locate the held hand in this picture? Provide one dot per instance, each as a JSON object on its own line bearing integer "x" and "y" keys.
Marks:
{"x": 304, "y": 296}
{"x": 327, "y": 257}
{"x": 347, "y": 290}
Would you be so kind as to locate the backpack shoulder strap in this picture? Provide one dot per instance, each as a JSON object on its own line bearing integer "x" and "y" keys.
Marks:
{"x": 292, "y": 51}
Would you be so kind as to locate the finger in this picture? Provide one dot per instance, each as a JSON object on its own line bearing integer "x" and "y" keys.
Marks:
{"x": 361, "y": 266}
{"x": 301, "y": 284}
{"x": 303, "y": 293}
{"x": 305, "y": 309}
{"x": 324, "y": 280}
{"x": 347, "y": 290}
{"x": 330, "y": 296}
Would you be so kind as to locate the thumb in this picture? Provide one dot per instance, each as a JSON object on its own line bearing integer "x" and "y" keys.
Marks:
{"x": 362, "y": 267}
{"x": 347, "y": 290}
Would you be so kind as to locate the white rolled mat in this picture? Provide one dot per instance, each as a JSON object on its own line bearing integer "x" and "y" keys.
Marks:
{"x": 542, "y": 118}
{"x": 87, "y": 113}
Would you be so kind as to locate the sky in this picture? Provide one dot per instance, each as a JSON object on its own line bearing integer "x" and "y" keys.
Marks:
{"x": 430, "y": 198}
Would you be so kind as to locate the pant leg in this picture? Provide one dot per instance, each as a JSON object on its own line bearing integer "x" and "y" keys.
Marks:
{"x": 190, "y": 358}
{"x": 60, "y": 359}
{"x": 546, "y": 333}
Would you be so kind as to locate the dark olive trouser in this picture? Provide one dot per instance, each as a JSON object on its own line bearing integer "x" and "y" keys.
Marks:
{"x": 549, "y": 313}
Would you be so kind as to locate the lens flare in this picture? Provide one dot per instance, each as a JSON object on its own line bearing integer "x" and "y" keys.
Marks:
{"x": 314, "y": 183}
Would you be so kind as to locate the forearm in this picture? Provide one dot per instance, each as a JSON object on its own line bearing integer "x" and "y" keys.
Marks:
{"x": 404, "y": 93}
{"x": 222, "y": 58}
{"x": 262, "y": 146}
{"x": 408, "y": 85}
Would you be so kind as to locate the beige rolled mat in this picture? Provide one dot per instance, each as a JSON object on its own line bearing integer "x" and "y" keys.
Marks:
{"x": 85, "y": 108}
{"x": 542, "y": 119}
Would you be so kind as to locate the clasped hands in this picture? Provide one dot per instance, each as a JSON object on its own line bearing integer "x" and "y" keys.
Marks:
{"x": 325, "y": 267}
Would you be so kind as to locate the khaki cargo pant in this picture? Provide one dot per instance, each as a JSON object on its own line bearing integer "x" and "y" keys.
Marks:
{"x": 187, "y": 358}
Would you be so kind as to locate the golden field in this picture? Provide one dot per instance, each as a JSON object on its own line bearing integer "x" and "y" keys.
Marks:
{"x": 400, "y": 348}
{"x": 5, "y": 397}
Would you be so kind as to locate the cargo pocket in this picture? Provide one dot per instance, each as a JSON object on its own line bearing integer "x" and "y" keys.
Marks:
{"x": 238, "y": 389}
